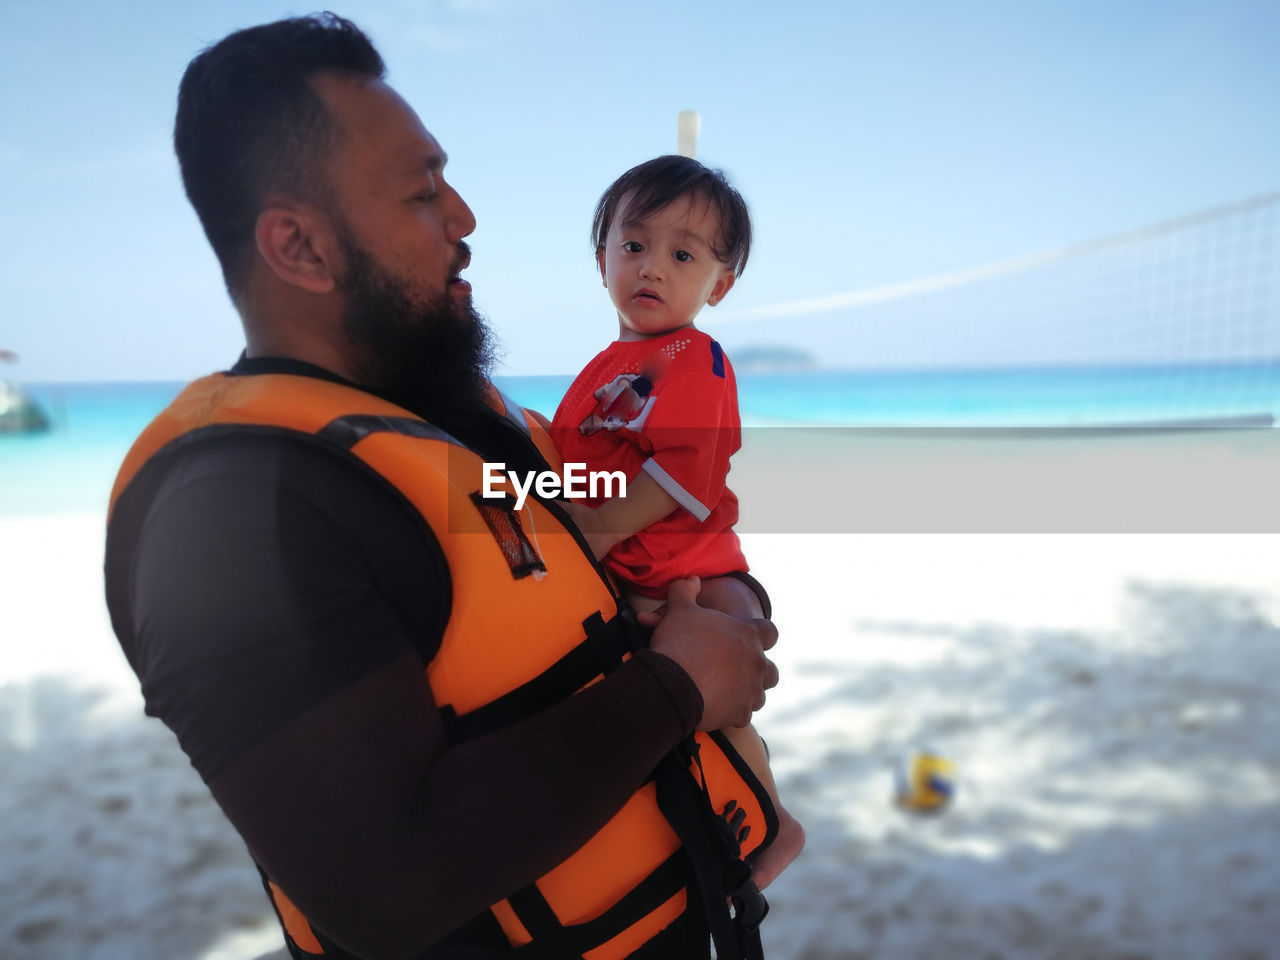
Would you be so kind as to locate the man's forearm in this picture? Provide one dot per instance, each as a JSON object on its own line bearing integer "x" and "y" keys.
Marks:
{"x": 363, "y": 795}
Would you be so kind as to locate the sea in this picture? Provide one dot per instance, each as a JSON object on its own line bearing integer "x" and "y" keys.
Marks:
{"x": 70, "y": 468}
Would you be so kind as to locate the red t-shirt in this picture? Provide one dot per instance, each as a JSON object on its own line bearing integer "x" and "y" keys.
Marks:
{"x": 667, "y": 406}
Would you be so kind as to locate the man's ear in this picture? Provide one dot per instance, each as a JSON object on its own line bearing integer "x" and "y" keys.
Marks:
{"x": 294, "y": 241}
{"x": 722, "y": 287}
{"x": 600, "y": 263}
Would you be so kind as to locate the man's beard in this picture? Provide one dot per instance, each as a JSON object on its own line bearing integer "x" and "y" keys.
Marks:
{"x": 432, "y": 358}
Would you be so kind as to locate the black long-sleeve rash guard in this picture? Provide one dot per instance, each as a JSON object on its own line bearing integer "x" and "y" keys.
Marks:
{"x": 278, "y": 603}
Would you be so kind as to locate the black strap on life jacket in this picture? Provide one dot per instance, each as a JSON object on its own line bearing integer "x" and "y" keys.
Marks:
{"x": 714, "y": 851}
{"x": 708, "y": 866}
{"x": 553, "y": 940}
{"x": 599, "y": 653}
{"x": 347, "y": 431}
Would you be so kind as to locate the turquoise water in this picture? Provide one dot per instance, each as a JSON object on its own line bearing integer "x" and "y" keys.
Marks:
{"x": 71, "y": 468}
{"x": 1014, "y": 397}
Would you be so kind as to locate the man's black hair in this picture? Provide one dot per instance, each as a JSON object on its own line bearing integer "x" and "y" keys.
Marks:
{"x": 663, "y": 180}
{"x": 249, "y": 123}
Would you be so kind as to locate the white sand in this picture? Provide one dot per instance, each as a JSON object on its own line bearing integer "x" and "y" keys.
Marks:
{"x": 1109, "y": 701}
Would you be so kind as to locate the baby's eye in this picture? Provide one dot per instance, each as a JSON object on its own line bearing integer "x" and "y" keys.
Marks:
{"x": 633, "y": 246}
{"x": 684, "y": 256}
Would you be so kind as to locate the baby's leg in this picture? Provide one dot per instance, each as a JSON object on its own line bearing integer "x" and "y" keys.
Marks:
{"x": 790, "y": 839}
{"x": 789, "y": 842}
{"x": 640, "y": 603}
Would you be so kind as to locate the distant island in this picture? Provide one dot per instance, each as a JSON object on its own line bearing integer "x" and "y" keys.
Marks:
{"x": 772, "y": 358}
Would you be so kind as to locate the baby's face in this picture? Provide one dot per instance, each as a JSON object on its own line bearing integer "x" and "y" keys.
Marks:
{"x": 660, "y": 271}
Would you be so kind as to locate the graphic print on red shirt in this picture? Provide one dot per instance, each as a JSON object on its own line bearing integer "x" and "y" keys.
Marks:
{"x": 667, "y": 406}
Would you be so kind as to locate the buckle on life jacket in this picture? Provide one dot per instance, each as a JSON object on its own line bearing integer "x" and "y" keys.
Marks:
{"x": 749, "y": 905}
{"x": 714, "y": 850}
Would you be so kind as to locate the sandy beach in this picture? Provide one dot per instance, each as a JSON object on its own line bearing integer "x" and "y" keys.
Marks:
{"x": 1107, "y": 699}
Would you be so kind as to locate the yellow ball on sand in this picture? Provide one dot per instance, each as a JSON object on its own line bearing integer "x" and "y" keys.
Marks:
{"x": 925, "y": 783}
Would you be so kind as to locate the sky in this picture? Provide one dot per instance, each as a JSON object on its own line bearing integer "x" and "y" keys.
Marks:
{"x": 876, "y": 143}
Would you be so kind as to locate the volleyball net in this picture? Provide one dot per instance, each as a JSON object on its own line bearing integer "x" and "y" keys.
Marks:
{"x": 1183, "y": 316}
{"x": 1199, "y": 289}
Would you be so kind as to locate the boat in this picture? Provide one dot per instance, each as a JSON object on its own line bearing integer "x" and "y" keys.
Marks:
{"x": 19, "y": 413}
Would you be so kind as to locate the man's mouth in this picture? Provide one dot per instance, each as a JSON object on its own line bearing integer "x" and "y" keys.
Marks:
{"x": 647, "y": 296}
{"x": 456, "y": 283}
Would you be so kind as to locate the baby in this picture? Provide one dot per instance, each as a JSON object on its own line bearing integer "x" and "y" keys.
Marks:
{"x": 660, "y": 404}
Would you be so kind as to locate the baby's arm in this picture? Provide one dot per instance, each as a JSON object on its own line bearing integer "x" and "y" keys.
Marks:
{"x": 614, "y": 520}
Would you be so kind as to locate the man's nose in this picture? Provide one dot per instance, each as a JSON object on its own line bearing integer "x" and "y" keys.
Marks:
{"x": 462, "y": 222}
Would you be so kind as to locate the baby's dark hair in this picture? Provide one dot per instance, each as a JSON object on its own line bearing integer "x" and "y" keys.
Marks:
{"x": 663, "y": 180}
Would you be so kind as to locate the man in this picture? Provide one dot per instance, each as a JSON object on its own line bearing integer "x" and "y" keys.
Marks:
{"x": 425, "y": 713}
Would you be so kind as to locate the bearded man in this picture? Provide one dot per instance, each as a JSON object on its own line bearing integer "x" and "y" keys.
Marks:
{"x": 431, "y": 719}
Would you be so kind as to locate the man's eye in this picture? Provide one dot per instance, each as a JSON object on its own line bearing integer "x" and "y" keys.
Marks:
{"x": 684, "y": 256}
{"x": 427, "y": 196}
{"x": 633, "y": 246}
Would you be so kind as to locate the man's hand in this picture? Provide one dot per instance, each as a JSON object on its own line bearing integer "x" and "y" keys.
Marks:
{"x": 723, "y": 655}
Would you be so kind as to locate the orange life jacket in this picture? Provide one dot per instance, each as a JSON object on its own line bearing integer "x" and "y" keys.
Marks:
{"x": 551, "y": 623}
